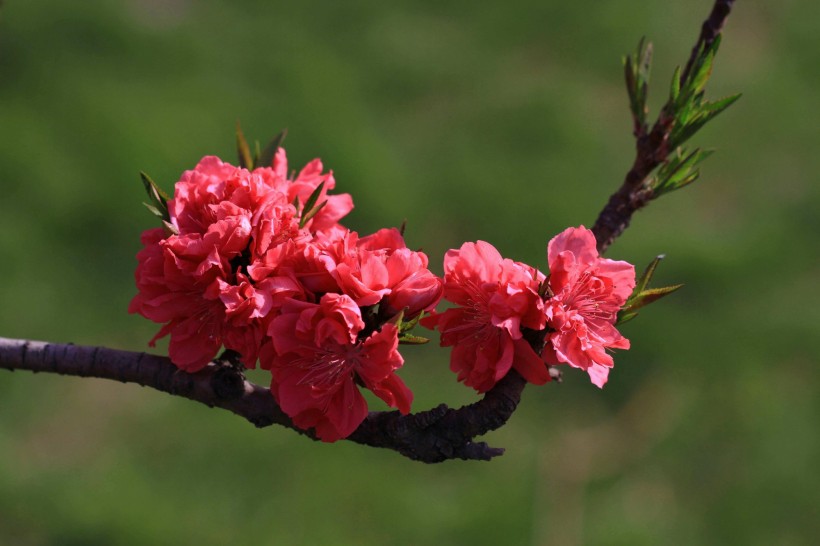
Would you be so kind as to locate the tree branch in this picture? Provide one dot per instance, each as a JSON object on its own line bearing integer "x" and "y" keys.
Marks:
{"x": 430, "y": 436}
{"x": 214, "y": 386}
{"x": 710, "y": 29}
{"x": 652, "y": 148}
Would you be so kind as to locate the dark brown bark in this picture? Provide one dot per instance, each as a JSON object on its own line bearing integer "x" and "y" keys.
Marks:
{"x": 652, "y": 149}
{"x": 430, "y": 436}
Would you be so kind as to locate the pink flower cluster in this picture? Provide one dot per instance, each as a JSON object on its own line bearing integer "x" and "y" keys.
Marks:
{"x": 256, "y": 261}
{"x": 244, "y": 266}
{"x": 505, "y": 307}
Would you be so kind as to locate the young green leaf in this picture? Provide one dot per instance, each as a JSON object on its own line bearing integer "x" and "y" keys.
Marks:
{"x": 702, "y": 69}
{"x": 641, "y": 295}
{"x": 153, "y": 210}
{"x": 712, "y": 109}
{"x": 407, "y": 339}
{"x": 406, "y": 326}
{"x": 242, "y": 150}
{"x": 267, "y": 155}
{"x": 256, "y": 153}
{"x": 644, "y": 279}
{"x": 311, "y": 213}
{"x": 630, "y": 311}
{"x": 398, "y": 320}
{"x": 311, "y": 201}
{"x": 625, "y": 316}
{"x": 152, "y": 188}
{"x": 159, "y": 199}
{"x": 677, "y": 171}
{"x": 631, "y": 86}
{"x": 644, "y": 59}
{"x": 653, "y": 294}
{"x": 636, "y": 73}
{"x": 674, "y": 91}
{"x": 694, "y": 121}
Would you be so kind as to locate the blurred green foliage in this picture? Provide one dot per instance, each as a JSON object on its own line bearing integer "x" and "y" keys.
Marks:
{"x": 473, "y": 120}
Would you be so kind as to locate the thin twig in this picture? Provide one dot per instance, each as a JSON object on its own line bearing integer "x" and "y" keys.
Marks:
{"x": 652, "y": 148}
{"x": 710, "y": 29}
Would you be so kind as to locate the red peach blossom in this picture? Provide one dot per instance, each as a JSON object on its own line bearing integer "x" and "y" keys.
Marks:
{"x": 309, "y": 259}
{"x": 318, "y": 359}
{"x": 381, "y": 266}
{"x": 196, "y": 190}
{"x": 495, "y": 298}
{"x": 385, "y": 239}
{"x": 198, "y": 282}
{"x": 180, "y": 289}
{"x": 178, "y": 281}
{"x": 301, "y": 188}
{"x": 588, "y": 293}
{"x": 248, "y": 310}
{"x": 419, "y": 291}
{"x": 215, "y": 189}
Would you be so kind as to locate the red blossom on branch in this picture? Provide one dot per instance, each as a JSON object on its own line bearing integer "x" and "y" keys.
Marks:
{"x": 381, "y": 266}
{"x": 588, "y": 291}
{"x": 499, "y": 300}
{"x": 495, "y": 297}
{"x": 318, "y": 359}
{"x": 257, "y": 262}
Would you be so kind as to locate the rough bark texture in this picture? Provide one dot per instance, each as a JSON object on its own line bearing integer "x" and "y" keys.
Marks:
{"x": 430, "y": 436}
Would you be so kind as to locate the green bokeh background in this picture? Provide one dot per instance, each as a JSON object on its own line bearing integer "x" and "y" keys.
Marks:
{"x": 473, "y": 120}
